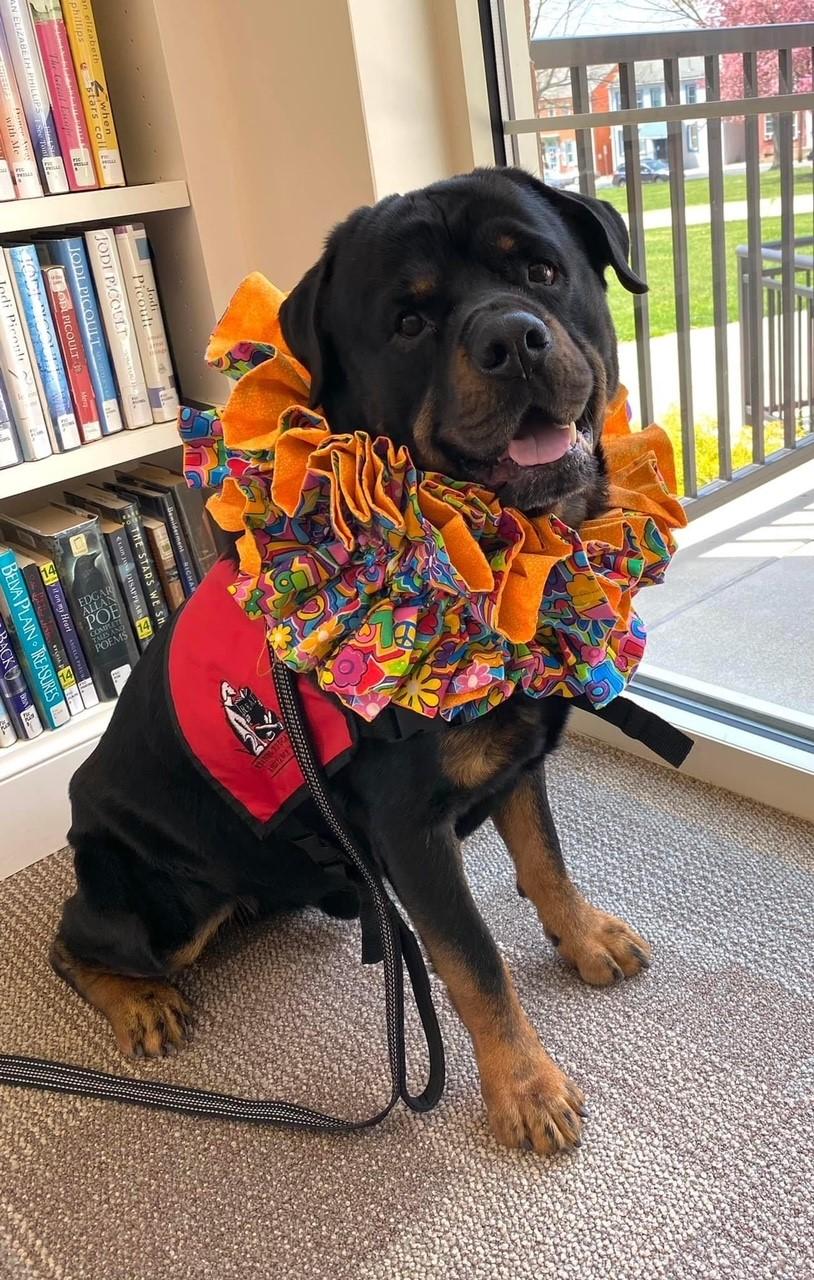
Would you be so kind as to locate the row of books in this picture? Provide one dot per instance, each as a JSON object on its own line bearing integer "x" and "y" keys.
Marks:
{"x": 56, "y": 123}
{"x": 83, "y": 347}
{"x": 85, "y": 585}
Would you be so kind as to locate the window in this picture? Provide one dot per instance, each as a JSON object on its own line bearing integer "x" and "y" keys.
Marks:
{"x": 691, "y": 95}
{"x": 768, "y": 128}
{"x": 570, "y": 152}
{"x": 551, "y": 156}
{"x": 639, "y": 97}
{"x": 692, "y": 137}
{"x": 657, "y": 96}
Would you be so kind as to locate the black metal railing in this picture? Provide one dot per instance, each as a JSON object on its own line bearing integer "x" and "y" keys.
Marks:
{"x": 776, "y": 372}
{"x": 785, "y": 320}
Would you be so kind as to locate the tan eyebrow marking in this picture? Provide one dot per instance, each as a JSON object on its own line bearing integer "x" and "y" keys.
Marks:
{"x": 423, "y": 286}
{"x": 506, "y": 243}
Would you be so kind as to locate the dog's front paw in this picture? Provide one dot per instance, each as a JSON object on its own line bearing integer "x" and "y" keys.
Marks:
{"x": 149, "y": 1019}
{"x": 602, "y": 948}
{"x": 532, "y": 1103}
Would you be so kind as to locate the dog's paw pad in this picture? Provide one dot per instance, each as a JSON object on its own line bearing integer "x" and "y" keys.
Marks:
{"x": 534, "y": 1106}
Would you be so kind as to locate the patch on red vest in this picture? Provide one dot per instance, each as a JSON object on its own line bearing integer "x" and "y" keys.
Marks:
{"x": 226, "y": 707}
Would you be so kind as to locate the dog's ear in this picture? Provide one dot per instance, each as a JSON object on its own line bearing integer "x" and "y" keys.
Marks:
{"x": 600, "y": 227}
{"x": 300, "y": 321}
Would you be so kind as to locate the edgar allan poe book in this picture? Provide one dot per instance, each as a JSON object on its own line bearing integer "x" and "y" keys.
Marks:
{"x": 74, "y": 542}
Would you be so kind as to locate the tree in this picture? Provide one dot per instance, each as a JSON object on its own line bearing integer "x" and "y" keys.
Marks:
{"x": 746, "y": 13}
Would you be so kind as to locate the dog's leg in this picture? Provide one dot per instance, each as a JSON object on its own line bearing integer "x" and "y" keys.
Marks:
{"x": 529, "y": 1100}
{"x": 150, "y": 1018}
{"x": 601, "y": 947}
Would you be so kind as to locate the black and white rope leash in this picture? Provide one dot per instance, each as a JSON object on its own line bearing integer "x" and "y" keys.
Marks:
{"x": 398, "y": 947}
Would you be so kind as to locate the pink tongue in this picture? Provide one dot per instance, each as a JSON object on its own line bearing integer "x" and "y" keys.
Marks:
{"x": 544, "y": 444}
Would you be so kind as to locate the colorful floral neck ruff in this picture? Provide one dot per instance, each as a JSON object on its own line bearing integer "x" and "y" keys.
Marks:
{"x": 398, "y": 586}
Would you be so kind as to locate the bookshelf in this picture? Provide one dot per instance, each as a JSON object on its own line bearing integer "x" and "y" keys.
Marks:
{"x": 80, "y": 208}
{"x": 34, "y": 776}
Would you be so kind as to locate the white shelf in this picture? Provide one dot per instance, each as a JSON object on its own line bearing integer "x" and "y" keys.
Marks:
{"x": 79, "y": 730}
{"x": 111, "y": 451}
{"x": 91, "y": 206}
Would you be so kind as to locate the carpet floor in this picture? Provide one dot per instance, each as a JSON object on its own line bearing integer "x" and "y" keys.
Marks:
{"x": 698, "y": 1158}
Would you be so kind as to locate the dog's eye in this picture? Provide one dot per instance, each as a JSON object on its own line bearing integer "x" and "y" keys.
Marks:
{"x": 410, "y": 324}
{"x": 543, "y": 272}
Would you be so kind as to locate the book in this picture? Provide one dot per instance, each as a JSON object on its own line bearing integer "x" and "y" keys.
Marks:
{"x": 40, "y": 674}
{"x": 75, "y": 545}
{"x": 158, "y": 503}
{"x": 70, "y": 636}
{"x": 18, "y": 374}
{"x": 14, "y": 135}
{"x": 69, "y": 117}
{"x": 10, "y": 452}
{"x": 14, "y": 690}
{"x": 43, "y": 343}
{"x": 195, "y": 520}
{"x": 161, "y": 548}
{"x": 121, "y": 557}
{"x": 7, "y": 191}
{"x": 50, "y": 630}
{"x": 90, "y": 74}
{"x": 74, "y": 360}
{"x": 70, "y": 254}
{"x": 142, "y": 293}
{"x": 102, "y": 502}
{"x": 118, "y": 325}
{"x": 8, "y": 736}
{"x": 25, "y": 59}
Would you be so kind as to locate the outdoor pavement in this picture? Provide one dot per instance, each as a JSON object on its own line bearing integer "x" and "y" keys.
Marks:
{"x": 664, "y": 364}
{"x": 734, "y": 211}
{"x": 737, "y": 608}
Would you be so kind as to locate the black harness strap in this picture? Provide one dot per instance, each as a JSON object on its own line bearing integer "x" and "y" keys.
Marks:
{"x": 645, "y": 726}
{"x": 398, "y": 948}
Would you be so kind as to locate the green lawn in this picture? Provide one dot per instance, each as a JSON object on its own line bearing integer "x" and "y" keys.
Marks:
{"x": 696, "y": 190}
{"x": 659, "y": 256}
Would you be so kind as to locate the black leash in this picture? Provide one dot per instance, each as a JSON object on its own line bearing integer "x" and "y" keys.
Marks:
{"x": 398, "y": 948}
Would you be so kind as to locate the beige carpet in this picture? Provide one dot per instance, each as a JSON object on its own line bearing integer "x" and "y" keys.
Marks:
{"x": 698, "y": 1160}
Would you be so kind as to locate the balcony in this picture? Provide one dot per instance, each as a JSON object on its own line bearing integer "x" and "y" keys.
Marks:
{"x": 703, "y": 140}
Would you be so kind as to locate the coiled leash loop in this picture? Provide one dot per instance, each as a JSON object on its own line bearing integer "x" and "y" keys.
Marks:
{"x": 398, "y": 948}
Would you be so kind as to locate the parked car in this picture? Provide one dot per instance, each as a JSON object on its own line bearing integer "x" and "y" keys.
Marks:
{"x": 650, "y": 170}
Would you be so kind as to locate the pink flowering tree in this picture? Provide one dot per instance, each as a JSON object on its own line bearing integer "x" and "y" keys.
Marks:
{"x": 750, "y": 13}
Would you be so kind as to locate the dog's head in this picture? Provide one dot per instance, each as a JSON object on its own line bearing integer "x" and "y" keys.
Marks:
{"x": 469, "y": 322}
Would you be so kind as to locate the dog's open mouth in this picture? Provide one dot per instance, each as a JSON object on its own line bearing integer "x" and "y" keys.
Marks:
{"x": 540, "y": 440}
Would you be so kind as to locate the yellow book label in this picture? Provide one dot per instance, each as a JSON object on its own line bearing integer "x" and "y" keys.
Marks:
{"x": 144, "y": 628}
{"x": 48, "y": 573}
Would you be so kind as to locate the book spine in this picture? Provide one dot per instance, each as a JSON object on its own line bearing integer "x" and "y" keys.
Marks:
{"x": 121, "y": 558}
{"x": 71, "y": 256}
{"x": 7, "y": 191}
{"x": 90, "y": 73}
{"x": 118, "y": 323}
{"x": 18, "y": 374}
{"x": 55, "y": 52}
{"x": 16, "y": 695}
{"x": 36, "y": 661}
{"x": 10, "y": 453}
{"x": 186, "y": 569}
{"x": 14, "y": 133}
{"x": 25, "y": 59}
{"x": 73, "y": 353}
{"x": 165, "y": 562}
{"x": 197, "y": 528}
{"x": 97, "y": 607}
{"x": 139, "y": 278}
{"x": 44, "y": 344}
{"x": 52, "y": 637}
{"x": 145, "y": 566}
{"x": 8, "y": 735}
{"x": 70, "y": 638}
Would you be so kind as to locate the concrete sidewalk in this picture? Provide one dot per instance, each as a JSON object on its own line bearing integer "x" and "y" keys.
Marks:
{"x": 737, "y": 609}
{"x": 734, "y": 211}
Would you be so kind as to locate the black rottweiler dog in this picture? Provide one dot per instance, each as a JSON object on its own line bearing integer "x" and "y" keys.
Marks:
{"x": 469, "y": 322}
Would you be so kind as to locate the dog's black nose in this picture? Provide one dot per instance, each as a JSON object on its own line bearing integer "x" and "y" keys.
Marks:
{"x": 511, "y": 345}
